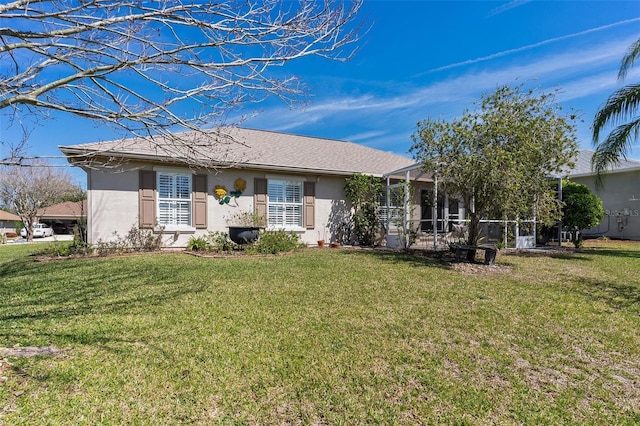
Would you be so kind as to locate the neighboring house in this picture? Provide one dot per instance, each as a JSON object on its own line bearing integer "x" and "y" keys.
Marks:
{"x": 620, "y": 196}
{"x": 296, "y": 181}
{"x": 63, "y": 217}
{"x": 8, "y": 222}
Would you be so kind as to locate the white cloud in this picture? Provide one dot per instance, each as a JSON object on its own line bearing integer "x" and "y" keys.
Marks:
{"x": 364, "y": 136}
{"x": 562, "y": 71}
{"x": 508, "y": 6}
{"x": 387, "y": 121}
{"x": 531, "y": 46}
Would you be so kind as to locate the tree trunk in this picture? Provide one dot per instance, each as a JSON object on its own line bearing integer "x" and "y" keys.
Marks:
{"x": 474, "y": 229}
{"x": 474, "y": 234}
{"x": 28, "y": 225}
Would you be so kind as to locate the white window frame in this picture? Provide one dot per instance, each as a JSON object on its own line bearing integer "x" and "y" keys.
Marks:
{"x": 279, "y": 221}
{"x": 175, "y": 223}
{"x": 394, "y": 212}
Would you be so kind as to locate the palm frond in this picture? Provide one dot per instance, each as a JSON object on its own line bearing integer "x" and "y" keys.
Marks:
{"x": 621, "y": 105}
{"x": 629, "y": 59}
{"x": 614, "y": 147}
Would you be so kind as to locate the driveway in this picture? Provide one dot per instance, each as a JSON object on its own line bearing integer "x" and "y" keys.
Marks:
{"x": 43, "y": 240}
{"x": 61, "y": 237}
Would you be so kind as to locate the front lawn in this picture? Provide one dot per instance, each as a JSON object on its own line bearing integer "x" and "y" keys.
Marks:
{"x": 322, "y": 337}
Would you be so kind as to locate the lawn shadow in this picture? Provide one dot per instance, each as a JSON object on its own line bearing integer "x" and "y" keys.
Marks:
{"x": 609, "y": 252}
{"x": 91, "y": 300}
{"x": 82, "y": 289}
{"x": 16, "y": 267}
{"x": 565, "y": 254}
{"x": 38, "y": 295}
{"x": 418, "y": 258}
{"x": 615, "y": 295}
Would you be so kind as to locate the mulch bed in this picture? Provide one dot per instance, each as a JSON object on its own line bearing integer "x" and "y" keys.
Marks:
{"x": 447, "y": 258}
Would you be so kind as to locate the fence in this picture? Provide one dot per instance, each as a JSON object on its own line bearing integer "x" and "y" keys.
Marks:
{"x": 501, "y": 233}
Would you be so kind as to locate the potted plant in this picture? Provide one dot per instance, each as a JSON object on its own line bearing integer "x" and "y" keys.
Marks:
{"x": 244, "y": 227}
{"x": 322, "y": 234}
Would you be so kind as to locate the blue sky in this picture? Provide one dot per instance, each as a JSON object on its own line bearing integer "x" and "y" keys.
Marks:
{"x": 434, "y": 59}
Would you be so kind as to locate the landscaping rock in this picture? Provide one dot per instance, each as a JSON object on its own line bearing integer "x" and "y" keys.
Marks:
{"x": 28, "y": 351}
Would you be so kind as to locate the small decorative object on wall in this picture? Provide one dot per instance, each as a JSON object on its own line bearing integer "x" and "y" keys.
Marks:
{"x": 224, "y": 197}
{"x": 221, "y": 194}
{"x": 239, "y": 185}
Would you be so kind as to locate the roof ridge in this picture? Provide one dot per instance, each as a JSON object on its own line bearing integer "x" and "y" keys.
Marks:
{"x": 258, "y": 148}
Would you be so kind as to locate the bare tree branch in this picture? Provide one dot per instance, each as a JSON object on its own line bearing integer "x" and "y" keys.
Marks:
{"x": 153, "y": 68}
{"x": 27, "y": 187}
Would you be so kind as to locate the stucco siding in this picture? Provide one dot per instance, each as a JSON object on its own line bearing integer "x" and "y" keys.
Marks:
{"x": 113, "y": 204}
{"x": 621, "y": 201}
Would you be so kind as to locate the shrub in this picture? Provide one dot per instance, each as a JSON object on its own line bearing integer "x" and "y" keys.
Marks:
{"x": 115, "y": 246}
{"x": 136, "y": 240}
{"x": 65, "y": 249}
{"x": 364, "y": 193}
{"x": 55, "y": 249}
{"x": 273, "y": 242}
{"x": 143, "y": 239}
{"x": 79, "y": 247}
{"x": 198, "y": 244}
{"x": 220, "y": 241}
{"x": 582, "y": 209}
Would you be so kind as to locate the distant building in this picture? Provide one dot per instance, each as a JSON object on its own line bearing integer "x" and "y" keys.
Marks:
{"x": 620, "y": 197}
{"x": 63, "y": 217}
{"x": 8, "y": 222}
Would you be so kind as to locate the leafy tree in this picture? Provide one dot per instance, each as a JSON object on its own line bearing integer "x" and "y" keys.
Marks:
{"x": 78, "y": 194}
{"x": 154, "y": 67}
{"x": 581, "y": 210}
{"x": 27, "y": 189}
{"x": 621, "y": 106}
{"x": 497, "y": 159}
{"x": 364, "y": 191}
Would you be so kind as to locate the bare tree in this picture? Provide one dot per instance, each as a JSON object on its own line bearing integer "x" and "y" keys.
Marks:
{"x": 156, "y": 67}
{"x": 27, "y": 188}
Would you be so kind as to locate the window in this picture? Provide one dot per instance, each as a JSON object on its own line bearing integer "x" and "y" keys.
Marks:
{"x": 285, "y": 203}
{"x": 174, "y": 199}
{"x": 395, "y": 211}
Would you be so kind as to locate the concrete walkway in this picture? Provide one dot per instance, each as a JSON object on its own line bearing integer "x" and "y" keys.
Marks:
{"x": 21, "y": 240}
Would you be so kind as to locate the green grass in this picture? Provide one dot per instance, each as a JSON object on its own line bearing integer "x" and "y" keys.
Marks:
{"x": 322, "y": 337}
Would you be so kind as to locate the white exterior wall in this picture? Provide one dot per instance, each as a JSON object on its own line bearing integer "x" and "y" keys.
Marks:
{"x": 621, "y": 200}
{"x": 113, "y": 204}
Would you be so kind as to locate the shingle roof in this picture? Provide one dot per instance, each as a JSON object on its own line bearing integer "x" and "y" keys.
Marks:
{"x": 254, "y": 149}
{"x": 65, "y": 210}
{"x": 6, "y": 216}
{"x": 583, "y": 165}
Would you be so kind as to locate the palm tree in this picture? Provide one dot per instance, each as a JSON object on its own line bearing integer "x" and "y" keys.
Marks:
{"x": 621, "y": 106}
